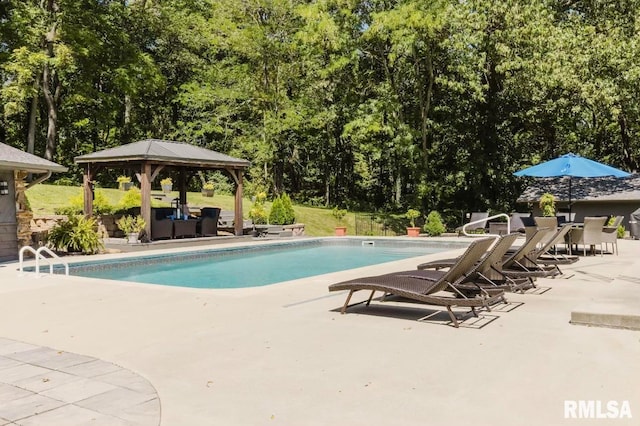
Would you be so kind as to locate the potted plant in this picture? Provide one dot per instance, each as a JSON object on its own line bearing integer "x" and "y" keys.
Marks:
{"x": 124, "y": 183}
{"x": 339, "y": 214}
{"x": 547, "y": 204}
{"x": 412, "y": 215}
{"x": 208, "y": 189}
{"x": 167, "y": 185}
{"x": 131, "y": 226}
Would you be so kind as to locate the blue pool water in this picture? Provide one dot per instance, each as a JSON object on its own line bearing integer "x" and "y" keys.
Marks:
{"x": 254, "y": 266}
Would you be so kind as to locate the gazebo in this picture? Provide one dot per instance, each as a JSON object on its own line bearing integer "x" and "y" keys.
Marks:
{"x": 149, "y": 157}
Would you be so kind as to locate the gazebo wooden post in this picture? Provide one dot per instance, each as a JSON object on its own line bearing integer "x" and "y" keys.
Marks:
{"x": 238, "y": 221}
{"x": 145, "y": 193}
{"x": 87, "y": 181}
{"x": 182, "y": 187}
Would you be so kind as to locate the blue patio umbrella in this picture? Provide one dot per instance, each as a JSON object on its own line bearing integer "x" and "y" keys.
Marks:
{"x": 572, "y": 165}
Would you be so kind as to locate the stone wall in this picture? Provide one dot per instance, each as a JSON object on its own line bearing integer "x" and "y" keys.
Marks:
{"x": 297, "y": 229}
{"x": 23, "y": 211}
{"x": 107, "y": 227}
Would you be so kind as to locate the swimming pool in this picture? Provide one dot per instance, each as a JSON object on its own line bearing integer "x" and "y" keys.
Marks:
{"x": 257, "y": 265}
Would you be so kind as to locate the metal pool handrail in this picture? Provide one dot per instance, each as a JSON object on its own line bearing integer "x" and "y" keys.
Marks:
{"x": 464, "y": 227}
{"x": 38, "y": 255}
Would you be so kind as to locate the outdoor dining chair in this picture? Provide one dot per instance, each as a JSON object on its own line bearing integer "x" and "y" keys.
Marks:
{"x": 610, "y": 235}
{"x": 590, "y": 234}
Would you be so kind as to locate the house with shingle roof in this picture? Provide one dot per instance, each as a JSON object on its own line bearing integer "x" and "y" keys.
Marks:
{"x": 589, "y": 196}
{"x": 14, "y": 216}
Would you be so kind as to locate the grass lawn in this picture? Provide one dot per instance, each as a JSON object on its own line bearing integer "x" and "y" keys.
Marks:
{"x": 44, "y": 199}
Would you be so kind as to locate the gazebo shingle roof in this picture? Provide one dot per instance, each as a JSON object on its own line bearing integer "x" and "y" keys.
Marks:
{"x": 165, "y": 152}
{"x": 15, "y": 159}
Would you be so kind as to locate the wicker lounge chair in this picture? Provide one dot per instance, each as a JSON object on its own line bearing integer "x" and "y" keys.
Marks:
{"x": 522, "y": 262}
{"x": 517, "y": 222}
{"x": 544, "y": 254}
{"x": 487, "y": 273}
{"x": 429, "y": 291}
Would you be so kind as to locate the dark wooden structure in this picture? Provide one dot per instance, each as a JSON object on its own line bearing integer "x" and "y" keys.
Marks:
{"x": 151, "y": 156}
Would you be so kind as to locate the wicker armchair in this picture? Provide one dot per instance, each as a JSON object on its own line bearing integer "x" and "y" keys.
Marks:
{"x": 209, "y": 221}
{"x": 161, "y": 223}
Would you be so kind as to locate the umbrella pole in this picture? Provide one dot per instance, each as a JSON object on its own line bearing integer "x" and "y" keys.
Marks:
{"x": 570, "y": 200}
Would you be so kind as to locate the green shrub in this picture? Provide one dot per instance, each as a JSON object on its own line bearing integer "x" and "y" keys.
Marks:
{"x": 221, "y": 183}
{"x": 65, "y": 181}
{"x": 76, "y": 205}
{"x": 277, "y": 215}
{"x": 620, "y": 231}
{"x": 131, "y": 198}
{"x": 77, "y": 234}
{"x": 434, "y": 225}
{"x": 289, "y": 213}
{"x": 282, "y": 212}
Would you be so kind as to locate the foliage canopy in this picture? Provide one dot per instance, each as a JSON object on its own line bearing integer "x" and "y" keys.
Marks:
{"x": 351, "y": 103}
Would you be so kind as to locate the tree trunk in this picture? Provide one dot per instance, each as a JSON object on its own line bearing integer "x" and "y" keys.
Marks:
{"x": 627, "y": 151}
{"x": 425, "y": 106}
{"x": 398, "y": 189}
{"x": 52, "y": 114}
{"x": 33, "y": 115}
{"x": 51, "y": 87}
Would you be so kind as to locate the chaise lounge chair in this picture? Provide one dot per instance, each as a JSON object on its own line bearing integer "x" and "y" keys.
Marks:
{"x": 544, "y": 255}
{"x": 522, "y": 263}
{"x": 431, "y": 292}
{"x": 487, "y": 273}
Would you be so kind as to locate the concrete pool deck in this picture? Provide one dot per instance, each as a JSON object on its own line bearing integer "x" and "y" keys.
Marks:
{"x": 283, "y": 354}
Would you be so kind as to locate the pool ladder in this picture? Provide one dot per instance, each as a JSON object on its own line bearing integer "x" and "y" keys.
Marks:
{"x": 38, "y": 255}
